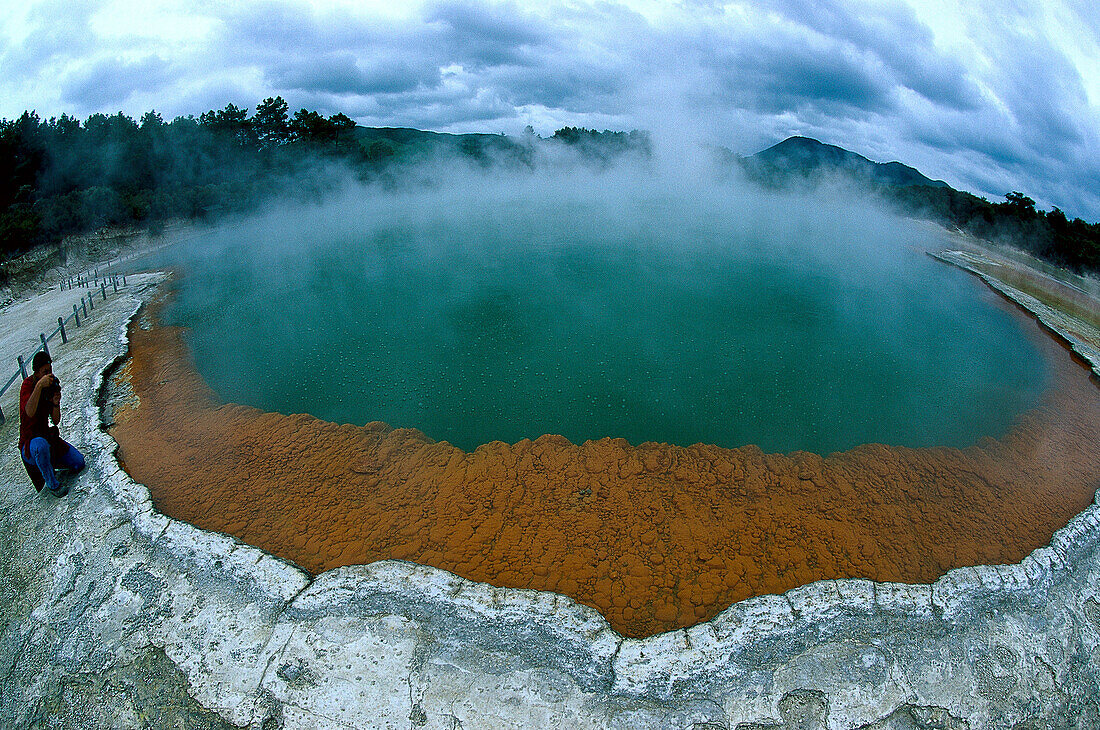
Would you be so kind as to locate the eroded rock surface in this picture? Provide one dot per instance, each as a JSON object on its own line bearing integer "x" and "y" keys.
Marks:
{"x": 655, "y": 537}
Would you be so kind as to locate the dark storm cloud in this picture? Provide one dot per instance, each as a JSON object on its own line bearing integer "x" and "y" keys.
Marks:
{"x": 574, "y": 87}
{"x": 992, "y": 100}
{"x": 496, "y": 58}
{"x": 473, "y": 35}
{"x": 480, "y": 36}
{"x": 902, "y": 44}
{"x": 439, "y": 110}
{"x": 301, "y": 50}
{"x": 1041, "y": 91}
{"x": 342, "y": 73}
{"x": 1030, "y": 133}
{"x": 778, "y": 77}
{"x": 290, "y": 27}
{"x": 113, "y": 81}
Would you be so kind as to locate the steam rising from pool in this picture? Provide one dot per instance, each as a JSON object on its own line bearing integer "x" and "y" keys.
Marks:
{"x": 653, "y": 308}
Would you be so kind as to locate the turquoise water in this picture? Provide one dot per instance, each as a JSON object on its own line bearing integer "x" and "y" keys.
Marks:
{"x": 646, "y": 315}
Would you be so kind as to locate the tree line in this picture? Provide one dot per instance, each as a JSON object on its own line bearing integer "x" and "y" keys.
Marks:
{"x": 801, "y": 162}
{"x": 1051, "y": 235}
{"x": 64, "y": 176}
{"x": 61, "y": 176}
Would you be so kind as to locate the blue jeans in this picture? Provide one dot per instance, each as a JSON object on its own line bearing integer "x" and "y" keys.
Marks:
{"x": 37, "y": 454}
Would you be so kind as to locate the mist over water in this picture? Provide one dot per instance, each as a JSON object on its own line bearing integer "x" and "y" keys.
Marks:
{"x": 653, "y": 308}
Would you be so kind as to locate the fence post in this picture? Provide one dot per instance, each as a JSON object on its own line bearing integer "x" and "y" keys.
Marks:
{"x": 91, "y": 301}
{"x": 114, "y": 280}
{"x": 45, "y": 347}
{"x": 103, "y": 290}
{"x": 124, "y": 279}
{"x": 61, "y": 326}
{"x": 22, "y": 367}
{"x": 76, "y": 316}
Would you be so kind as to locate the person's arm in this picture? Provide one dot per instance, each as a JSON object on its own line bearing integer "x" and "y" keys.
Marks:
{"x": 55, "y": 414}
{"x": 36, "y": 395}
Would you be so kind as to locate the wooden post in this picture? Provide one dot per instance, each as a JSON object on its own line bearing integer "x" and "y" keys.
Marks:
{"x": 91, "y": 301}
{"x": 103, "y": 290}
{"x": 114, "y": 281}
{"x": 22, "y": 367}
{"x": 45, "y": 347}
{"x": 61, "y": 326}
{"x": 76, "y": 316}
{"x": 124, "y": 279}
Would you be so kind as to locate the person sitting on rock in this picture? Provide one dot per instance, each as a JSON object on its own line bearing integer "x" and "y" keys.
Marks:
{"x": 40, "y": 444}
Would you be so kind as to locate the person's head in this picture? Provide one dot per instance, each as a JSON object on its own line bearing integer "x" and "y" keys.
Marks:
{"x": 42, "y": 364}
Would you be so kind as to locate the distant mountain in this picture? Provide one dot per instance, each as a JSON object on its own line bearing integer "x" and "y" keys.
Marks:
{"x": 803, "y": 162}
{"x": 810, "y": 159}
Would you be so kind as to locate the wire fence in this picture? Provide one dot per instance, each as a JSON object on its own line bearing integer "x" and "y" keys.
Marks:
{"x": 98, "y": 286}
{"x": 99, "y": 280}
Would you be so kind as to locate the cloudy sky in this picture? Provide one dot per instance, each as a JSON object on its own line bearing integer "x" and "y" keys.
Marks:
{"x": 989, "y": 96}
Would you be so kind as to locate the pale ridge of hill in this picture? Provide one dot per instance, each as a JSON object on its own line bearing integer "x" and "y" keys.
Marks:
{"x": 806, "y": 156}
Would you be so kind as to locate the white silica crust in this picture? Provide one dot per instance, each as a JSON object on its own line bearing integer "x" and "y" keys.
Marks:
{"x": 114, "y": 615}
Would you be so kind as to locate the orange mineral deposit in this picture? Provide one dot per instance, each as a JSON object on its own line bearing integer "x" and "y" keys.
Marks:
{"x": 653, "y": 536}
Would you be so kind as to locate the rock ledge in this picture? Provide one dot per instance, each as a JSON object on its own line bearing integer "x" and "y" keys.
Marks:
{"x": 116, "y": 616}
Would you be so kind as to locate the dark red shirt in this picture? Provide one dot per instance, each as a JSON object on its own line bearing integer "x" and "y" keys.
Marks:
{"x": 39, "y": 425}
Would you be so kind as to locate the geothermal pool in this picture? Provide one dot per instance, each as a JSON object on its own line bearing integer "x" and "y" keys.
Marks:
{"x": 649, "y": 317}
{"x": 678, "y": 348}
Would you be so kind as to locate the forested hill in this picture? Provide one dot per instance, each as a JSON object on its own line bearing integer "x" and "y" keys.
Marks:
{"x": 806, "y": 157}
{"x": 802, "y": 162}
{"x": 61, "y": 176}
